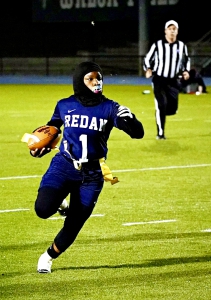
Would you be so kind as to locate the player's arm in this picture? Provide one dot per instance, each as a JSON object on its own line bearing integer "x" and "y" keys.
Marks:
{"x": 55, "y": 122}
{"x": 128, "y": 122}
{"x": 56, "y": 118}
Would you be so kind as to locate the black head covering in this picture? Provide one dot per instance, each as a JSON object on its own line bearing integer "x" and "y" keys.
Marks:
{"x": 81, "y": 91}
{"x": 192, "y": 73}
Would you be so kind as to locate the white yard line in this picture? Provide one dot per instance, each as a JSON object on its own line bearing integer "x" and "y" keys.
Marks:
{"x": 56, "y": 218}
{"x": 13, "y": 210}
{"x": 148, "y": 222}
{"x": 97, "y": 215}
{"x": 19, "y": 177}
{"x": 123, "y": 171}
{"x": 62, "y": 218}
{"x": 163, "y": 168}
{"x": 180, "y": 120}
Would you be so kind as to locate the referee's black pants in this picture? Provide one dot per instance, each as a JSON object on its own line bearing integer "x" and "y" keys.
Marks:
{"x": 166, "y": 92}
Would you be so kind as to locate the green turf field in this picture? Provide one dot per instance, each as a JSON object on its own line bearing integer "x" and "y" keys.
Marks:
{"x": 150, "y": 234}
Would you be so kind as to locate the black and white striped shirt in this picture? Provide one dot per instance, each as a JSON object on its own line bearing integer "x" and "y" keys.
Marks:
{"x": 167, "y": 59}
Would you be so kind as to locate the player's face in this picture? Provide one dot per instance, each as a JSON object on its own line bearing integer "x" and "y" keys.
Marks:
{"x": 171, "y": 32}
{"x": 94, "y": 82}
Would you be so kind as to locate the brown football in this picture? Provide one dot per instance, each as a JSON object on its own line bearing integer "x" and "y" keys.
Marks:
{"x": 44, "y": 137}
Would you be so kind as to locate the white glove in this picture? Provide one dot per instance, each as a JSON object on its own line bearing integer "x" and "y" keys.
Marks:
{"x": 124, "y": 111}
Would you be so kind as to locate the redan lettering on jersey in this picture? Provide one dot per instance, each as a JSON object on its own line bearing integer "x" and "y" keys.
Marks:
{"x": 83, "y": 121}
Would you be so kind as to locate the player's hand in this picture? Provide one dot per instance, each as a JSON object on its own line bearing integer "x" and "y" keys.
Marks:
{"x": 185, "y": 75}
{"x": 39, "y": 153}
{"x": 148, "y": 73}
{"x": 124, "y": 111}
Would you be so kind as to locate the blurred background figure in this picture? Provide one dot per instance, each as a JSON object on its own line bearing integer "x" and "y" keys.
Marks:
{"x": 195, "y": 83}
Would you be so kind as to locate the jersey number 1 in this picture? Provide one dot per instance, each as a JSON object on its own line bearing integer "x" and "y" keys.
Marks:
{"x": 83, "y": 139}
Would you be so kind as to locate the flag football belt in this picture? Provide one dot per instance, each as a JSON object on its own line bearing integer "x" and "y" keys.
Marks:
{"x": 107, "y": 175}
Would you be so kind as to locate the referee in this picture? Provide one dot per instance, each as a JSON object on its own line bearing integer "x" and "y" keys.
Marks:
{"x": 165, "y": 61}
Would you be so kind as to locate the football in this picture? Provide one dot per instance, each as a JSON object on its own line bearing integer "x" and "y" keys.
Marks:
{"x": 44, "y": 137}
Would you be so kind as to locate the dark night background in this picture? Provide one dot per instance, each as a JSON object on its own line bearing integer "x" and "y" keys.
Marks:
{"x": 22, "y": 37}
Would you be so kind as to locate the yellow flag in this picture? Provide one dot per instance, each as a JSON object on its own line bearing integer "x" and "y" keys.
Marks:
{"x": 107, "y": 175}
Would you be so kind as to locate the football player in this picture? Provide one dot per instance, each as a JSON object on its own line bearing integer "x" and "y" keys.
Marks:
{"x": 79, "y": 168}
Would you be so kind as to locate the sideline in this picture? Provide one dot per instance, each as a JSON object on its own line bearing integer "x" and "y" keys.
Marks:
{"x": 67, "y": 80}
{"x": 60, "y": 79}
{"x": 122, "y": 171}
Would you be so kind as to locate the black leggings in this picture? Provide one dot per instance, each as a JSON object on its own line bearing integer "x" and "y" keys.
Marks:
{"x": 47, "y": 203}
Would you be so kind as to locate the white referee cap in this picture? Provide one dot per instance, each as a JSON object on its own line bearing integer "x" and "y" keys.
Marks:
{"x": 171, "y": 22}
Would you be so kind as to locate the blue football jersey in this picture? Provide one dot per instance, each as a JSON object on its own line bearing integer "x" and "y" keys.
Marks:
{"x": 85, "y": 129}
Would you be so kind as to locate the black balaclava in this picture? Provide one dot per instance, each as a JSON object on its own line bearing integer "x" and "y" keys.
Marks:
{"x": 81, "y": 91}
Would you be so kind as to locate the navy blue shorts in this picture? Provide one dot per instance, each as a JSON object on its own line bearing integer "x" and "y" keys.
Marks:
{"x": 85, "y": 184}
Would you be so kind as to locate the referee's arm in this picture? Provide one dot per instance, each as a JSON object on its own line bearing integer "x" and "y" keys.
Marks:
{"x": 148, "y": 61}
{"x": 186, "y": 67}
{"x": 149, "y": 57}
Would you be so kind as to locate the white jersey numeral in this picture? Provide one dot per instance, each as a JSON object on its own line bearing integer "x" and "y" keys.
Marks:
{"x": 83, "y": 139}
